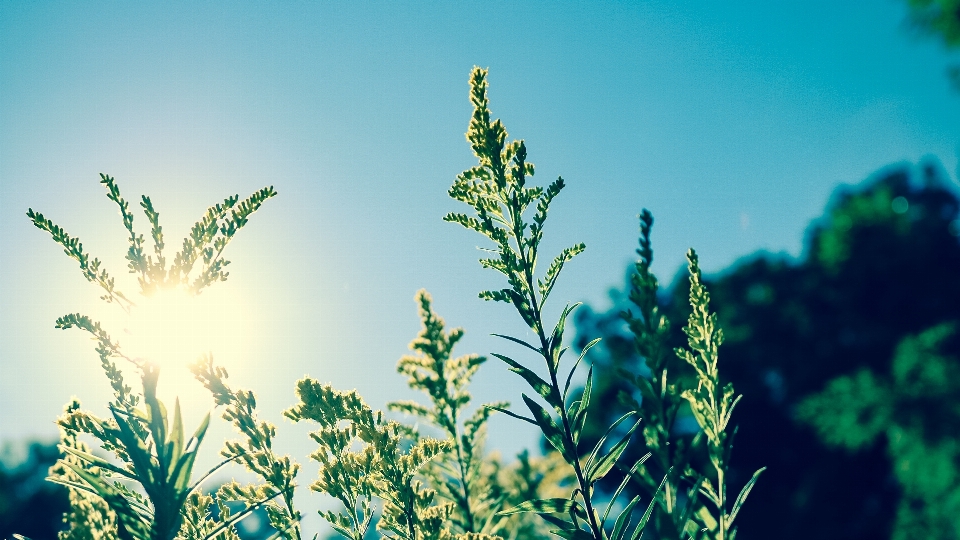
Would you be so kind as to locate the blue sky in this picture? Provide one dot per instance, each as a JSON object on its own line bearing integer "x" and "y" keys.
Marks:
{"x": 733, "y": 122}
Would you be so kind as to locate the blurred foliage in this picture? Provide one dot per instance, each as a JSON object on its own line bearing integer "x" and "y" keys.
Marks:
{"x": 939, "y": 18}
{"x": 29, "y": 504}
{"x": 915, "y": 407}
{"x": 879, "y": 266}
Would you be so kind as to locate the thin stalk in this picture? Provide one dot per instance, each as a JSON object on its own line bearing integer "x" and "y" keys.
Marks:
{"x": 464, "y": 483}
{"x": 585, "y": 489}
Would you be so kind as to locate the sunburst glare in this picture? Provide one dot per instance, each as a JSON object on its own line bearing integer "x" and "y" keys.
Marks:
{"x": 173, "y": 327}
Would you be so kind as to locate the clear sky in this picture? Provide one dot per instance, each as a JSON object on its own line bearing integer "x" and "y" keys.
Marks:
{"x": 732, "y": 121}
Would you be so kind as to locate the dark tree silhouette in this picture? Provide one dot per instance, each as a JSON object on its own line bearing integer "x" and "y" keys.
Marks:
{"x": 880, "y": 265}
{"x": 941, "y": 20}
{"x": 29, "y": 505}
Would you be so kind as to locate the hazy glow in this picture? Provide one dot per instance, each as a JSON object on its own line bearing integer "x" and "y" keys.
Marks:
{"x": 171, "y": 328}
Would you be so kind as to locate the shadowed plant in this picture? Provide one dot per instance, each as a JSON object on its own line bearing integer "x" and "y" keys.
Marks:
{"x": 688, "y": 488}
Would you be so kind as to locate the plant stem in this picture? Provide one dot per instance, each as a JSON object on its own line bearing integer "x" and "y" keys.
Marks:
{"x": 585, "y": 489}
{"x": 468, "y": 515}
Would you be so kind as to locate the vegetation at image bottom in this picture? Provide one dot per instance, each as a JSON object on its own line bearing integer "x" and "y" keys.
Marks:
{"x": 432, "y": 479}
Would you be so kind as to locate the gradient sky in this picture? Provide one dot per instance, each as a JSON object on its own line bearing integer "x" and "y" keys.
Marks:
{"x": 732, "y": 121}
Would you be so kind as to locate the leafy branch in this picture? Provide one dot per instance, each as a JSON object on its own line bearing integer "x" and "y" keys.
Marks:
{"x": 255, "y": 453}
{"x": 90, "y": 268}
{"x": 150, "y": 449}
{"x": 362, "y": 457}
{"x": 444, "y": 379}
{"x": 496, "y": 190}
{"x": 711, "y": 404}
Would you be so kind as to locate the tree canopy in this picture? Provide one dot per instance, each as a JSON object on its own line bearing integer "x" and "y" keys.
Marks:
{"x": 878, "y": 267}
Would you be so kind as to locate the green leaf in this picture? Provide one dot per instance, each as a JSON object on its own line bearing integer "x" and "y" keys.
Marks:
{"x": 549, "y": 427}
{"x": 97, "y": 461}
{"x": 523, "y": 308}
{"x": 573, "y": 534}
{"x": 541, "y": 386}
{"x": 580, "y": 419}
{"x": 519, "y": 342}
{"x": 559, "y": 522}
{"x": 649, "y": 511}
{"x": 692, "y": 499}
{"x": 623, "y": 484}
{"x": 602, "y": 466}
{"x": 184, "y": 467}
{"x": 587, "y": 390}
{"x": 138, "y": 452}
{"x": 556, "y": 339}
{"x": 572, "y": 411}
{"x": 623, "y": 520}
{"x": 513, "y": 414}
{"x": 742, "y": 497}
{"x": 541, "y": 506}
{"x": 583, "y": 353}
{"x": 176, "y": 435}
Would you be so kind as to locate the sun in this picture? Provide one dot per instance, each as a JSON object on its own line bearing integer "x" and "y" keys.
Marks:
{"x": 172, "y": 327}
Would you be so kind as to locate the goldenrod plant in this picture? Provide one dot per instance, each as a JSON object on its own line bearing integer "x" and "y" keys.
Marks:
{"x": 147, "y": 490}
{"x": 432, "y": 480}
{"x": 362, "y": 457}
{"x": 712, "y": 404}
{"x": 445, "y": 379}
{"x": 496, "y": 189}
{"x": 687, "y": 489}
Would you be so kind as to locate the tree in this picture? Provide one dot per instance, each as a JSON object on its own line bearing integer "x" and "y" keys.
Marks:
{"x": 913, "y": 410}
{"x": 939, "y": 18}
{"x": 880, "y": 265}
{"x": 29, "y": 504}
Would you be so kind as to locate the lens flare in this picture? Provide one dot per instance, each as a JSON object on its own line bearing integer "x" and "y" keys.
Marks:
{"x": 171, "y": 328}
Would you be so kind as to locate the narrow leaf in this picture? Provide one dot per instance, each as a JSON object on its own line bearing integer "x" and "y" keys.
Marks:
{"x": 541, "y": 506}
{"x": 520, "y": 342}
{"x": 513, "y": 414}
{"x": 548, "y": 426}
{"x": 623, "y": 520}
{"x": 604, "y": 464}
{"x": 649, "y": 511}
{"x": 742, "y": 497}
{"x": 583, "y": 353}
{"x": 573, "y": 534}
{"x": 541, "y": 386}
{"x": 623, "y": 485}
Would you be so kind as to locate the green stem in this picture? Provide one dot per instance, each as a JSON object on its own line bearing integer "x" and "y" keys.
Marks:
{"x": 464, "y": 483}
{"x": 585, "y": 488}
